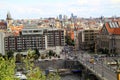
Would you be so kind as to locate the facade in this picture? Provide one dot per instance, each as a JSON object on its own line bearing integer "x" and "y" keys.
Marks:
{"x": 86, "y": 38}
{"x": 9, "y": 21}
{"x": 22, "y": 43}
{"x": 35, "y": 38}
{"x": 109, "y": 37}
{"x": 55, "y": 37}
{"x": 3, "y": 26}
{"x": 2, "y": 50}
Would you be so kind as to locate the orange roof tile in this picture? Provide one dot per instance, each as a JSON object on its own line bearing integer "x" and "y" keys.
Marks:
{"x": 16, "y": 29}
{"x": 71, "y": 34}
{"x": 112, "y": 30}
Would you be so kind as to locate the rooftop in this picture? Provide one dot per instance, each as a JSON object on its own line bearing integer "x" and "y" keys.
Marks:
{"x": 113, "y": 27}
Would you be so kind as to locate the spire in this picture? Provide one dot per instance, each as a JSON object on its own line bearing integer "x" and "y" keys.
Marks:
{"x": 9, "y": 16}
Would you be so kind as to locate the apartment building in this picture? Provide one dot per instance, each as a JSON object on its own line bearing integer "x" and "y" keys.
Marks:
{"x": 35, "y": 38}
{"x": 55, "y": 37}
{"x": 86, "y": 38}
{"x": 109, "y": 37}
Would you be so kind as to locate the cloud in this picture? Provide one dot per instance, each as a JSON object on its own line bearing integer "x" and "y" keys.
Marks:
{"x": 115, "y": 1}
{"x": 82, "y": 2}
{"x": 36, "y": 8}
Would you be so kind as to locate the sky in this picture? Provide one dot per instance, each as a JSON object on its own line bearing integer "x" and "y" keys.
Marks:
{"x": 24, "y": 9}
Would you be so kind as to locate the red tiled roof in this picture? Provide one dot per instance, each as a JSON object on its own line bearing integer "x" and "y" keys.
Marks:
{"x": 112, "y": 30}
{"x": 2, "y": 24}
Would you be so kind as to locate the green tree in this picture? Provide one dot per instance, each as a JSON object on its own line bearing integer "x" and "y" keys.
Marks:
{"x": 7, "y": 67}
{"x": 10, "y": 54}
{"x": 1, "y": 55}
{"x": 51, "y": 53}
{"x": 37, "y": 54}
{"x": 19, "y": 57}
{"x": 53, "y": 76}
{"x": 36, "y": 74}
{"x": 31, "y": 54}
{"x": 69, "y": 41}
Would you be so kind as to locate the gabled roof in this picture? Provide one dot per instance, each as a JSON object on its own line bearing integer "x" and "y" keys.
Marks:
{"x": 113, "y": 27}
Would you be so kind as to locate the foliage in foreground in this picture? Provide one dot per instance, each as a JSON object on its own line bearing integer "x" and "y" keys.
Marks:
{"x": 8, "y": 66}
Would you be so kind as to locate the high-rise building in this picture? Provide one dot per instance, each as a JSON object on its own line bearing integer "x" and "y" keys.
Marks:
{"x": 72, "y": 15}
{"x": 60, "y": 17}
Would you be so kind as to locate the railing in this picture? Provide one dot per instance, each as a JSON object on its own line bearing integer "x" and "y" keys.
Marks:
{"x": 99, "y": 72}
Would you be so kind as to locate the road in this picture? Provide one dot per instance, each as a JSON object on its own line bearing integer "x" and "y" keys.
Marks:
{"x": 97, "y": 67}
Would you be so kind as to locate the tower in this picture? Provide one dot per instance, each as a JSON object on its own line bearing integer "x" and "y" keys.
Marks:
{"x": 9, "y": 20}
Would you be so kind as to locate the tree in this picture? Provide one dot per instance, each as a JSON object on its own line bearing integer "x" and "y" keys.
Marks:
{"x": 58, "y": 56}
{"x": 36, "y": 54}
{"x": 7, "y": 67}
{"x": 51, "y": 53}
{"x": 1, "y": 55}
{"x": 19, "y": 57}
{"x": 7, "y": 70}
{"x": 10, "y": 54}
{"x": 69, "y": 41}
{"x": 36, "y": 74}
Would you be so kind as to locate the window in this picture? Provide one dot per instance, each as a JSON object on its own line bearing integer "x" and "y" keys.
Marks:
{"x": 35, "y": 31}
{"x": 24, "y": 31}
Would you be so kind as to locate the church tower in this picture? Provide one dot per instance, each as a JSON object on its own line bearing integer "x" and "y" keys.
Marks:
{"x": 9, "y": 21}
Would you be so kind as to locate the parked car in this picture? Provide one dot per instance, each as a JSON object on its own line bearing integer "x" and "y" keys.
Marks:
{"x": 20, "y": 76}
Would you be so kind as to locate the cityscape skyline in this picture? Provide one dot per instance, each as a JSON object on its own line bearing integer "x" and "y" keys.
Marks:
{"x": 25, "y": 9}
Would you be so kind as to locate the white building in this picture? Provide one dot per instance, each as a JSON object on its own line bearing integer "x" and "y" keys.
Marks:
{"x": 2, "y": 49}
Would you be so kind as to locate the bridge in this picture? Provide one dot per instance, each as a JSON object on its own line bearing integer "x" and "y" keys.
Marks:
{"x": 66, "y": 67}
{"x": 102, "y": 71}
{"x": 99, "y": 71}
